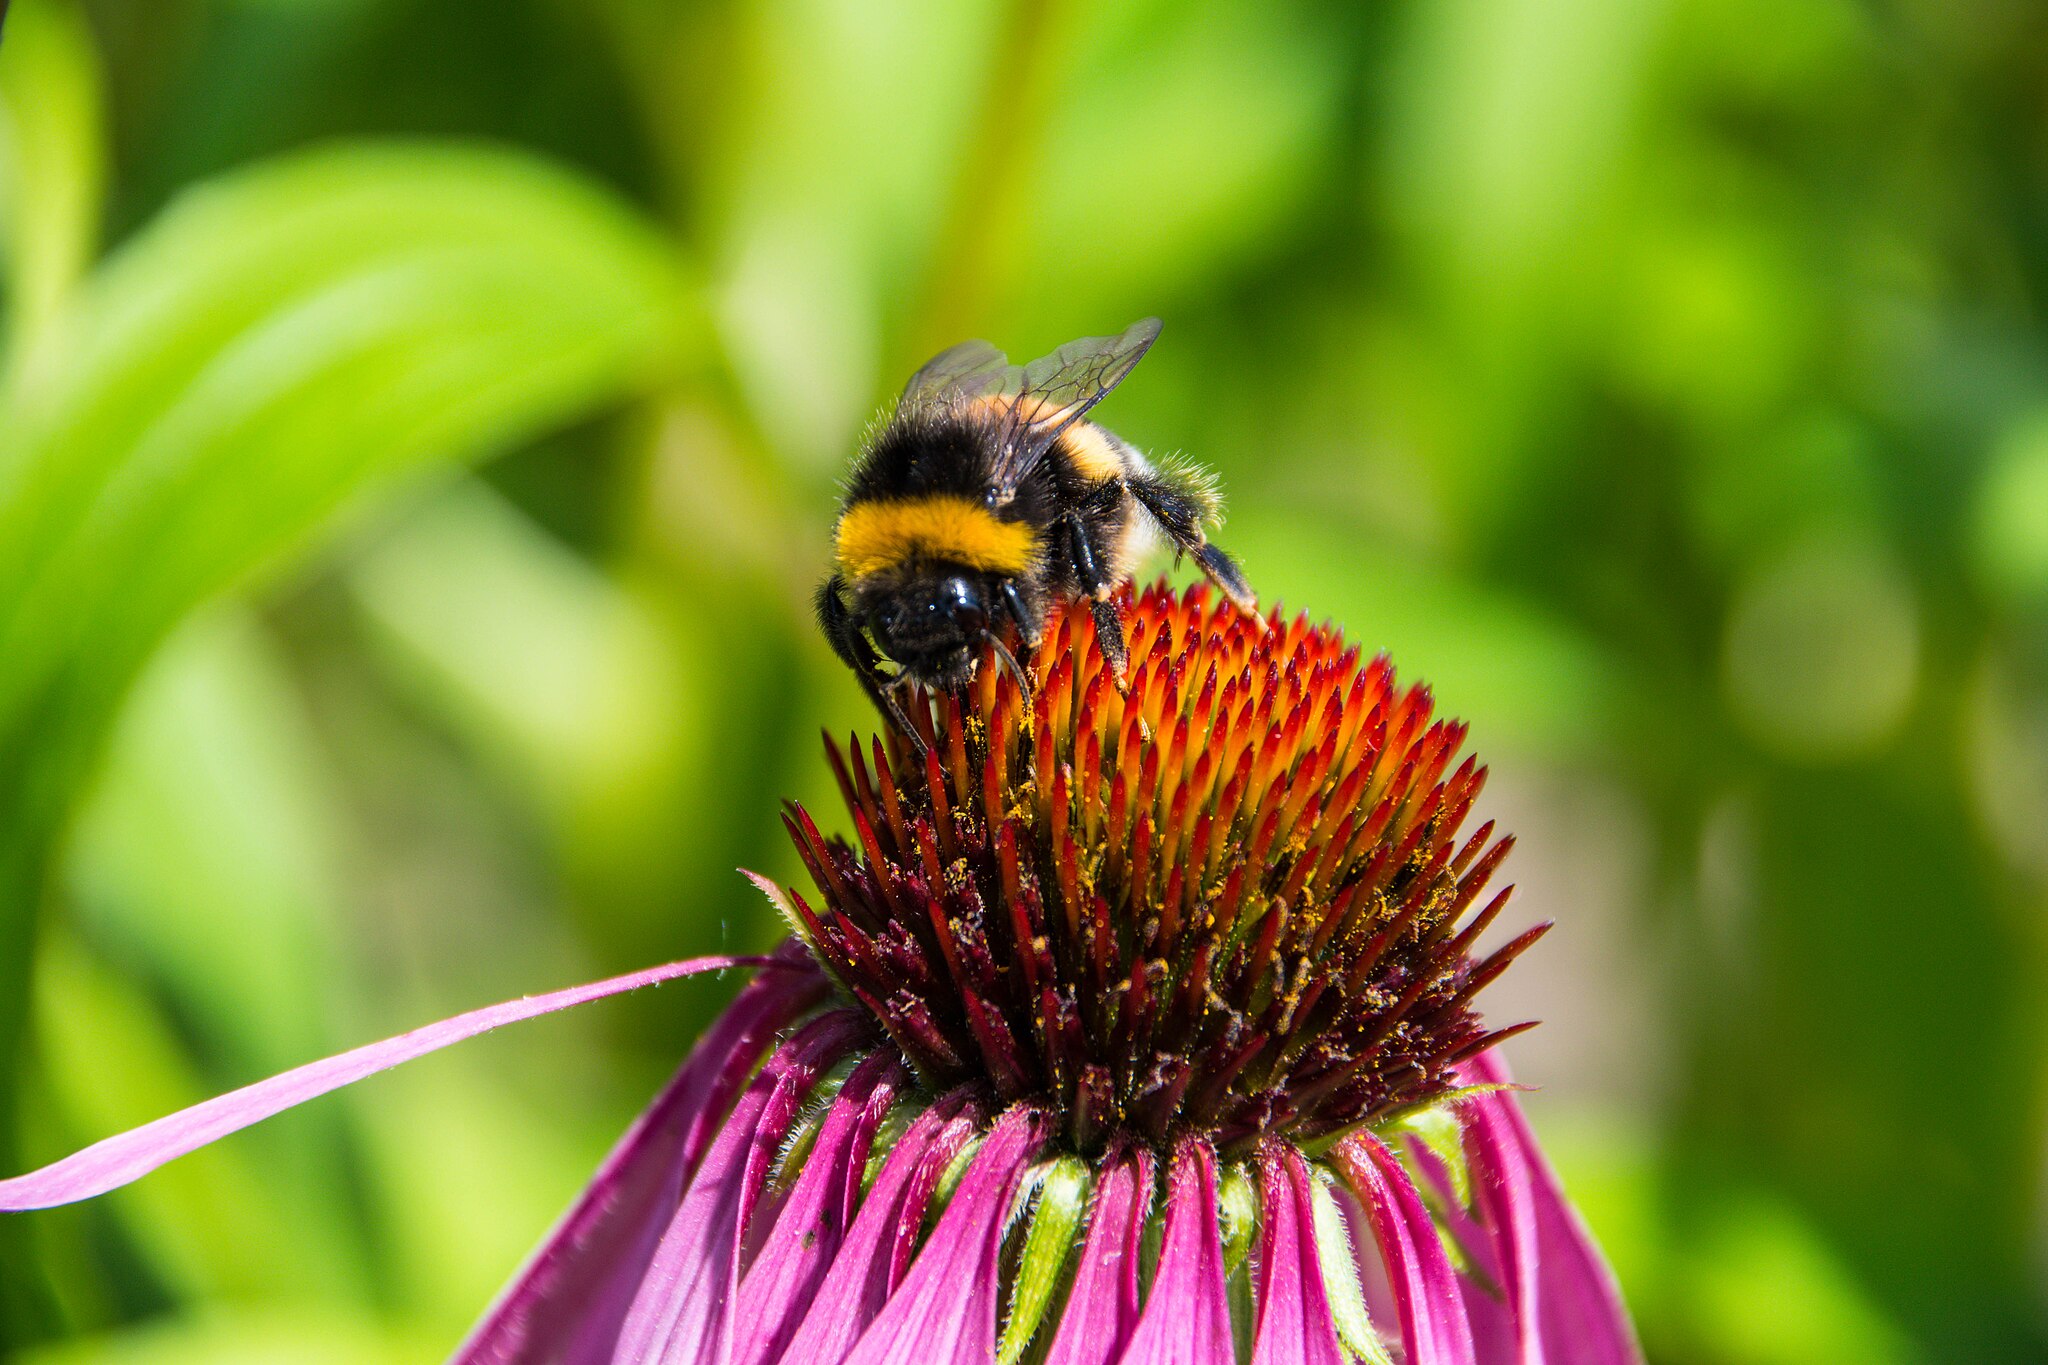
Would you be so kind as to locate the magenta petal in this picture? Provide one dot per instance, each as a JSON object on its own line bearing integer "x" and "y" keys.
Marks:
{"x": 1102, "y": 1308}
{"x": 1565, "y": 1294}
{"x": 131, "y": 1155}
{"x": 683, "y": 1312}
{"x": 1294, "y": 1322}
{"x": 779, "y": 1285}
{"x": 877, "y": 1248}
{"x": 945, "y": 1311}
{"x": 567, "y": 1304}
{"x": 1187, "y": 1318}
{"x": 1427, "y": 1297}
{"x": 1497, "y": 1337}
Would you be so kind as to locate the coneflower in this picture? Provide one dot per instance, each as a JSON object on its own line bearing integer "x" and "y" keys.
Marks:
{"x": 1132, "y": 1023}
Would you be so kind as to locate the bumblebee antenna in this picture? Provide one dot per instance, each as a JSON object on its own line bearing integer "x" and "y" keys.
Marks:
{"x": 1010, "y": 664}
{"x": 892, "y": 702}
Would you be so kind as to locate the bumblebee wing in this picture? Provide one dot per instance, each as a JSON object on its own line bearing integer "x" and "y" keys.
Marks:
{"x": 959, "y": 372}
{"x": 1056, "y": 391}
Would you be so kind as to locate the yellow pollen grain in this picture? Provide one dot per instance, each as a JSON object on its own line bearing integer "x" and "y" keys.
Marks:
{"x": 877, "y": 536}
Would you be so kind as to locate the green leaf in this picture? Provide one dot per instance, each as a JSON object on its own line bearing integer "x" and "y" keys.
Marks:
{"x": 1767, "y": 1289}
{"x": 2009, "y": 545}
{"x": 51, "y": 163}
{"x": 209, "y": 848}
{"x": 1063, "y": 1189}
{"x": 279, "y": 344}
{"x": 558, "y": 674}
{"x": 275, "y": 343}
{"x": 834, "y": 181}
{"x": 252, "y": 1334}
{"x": 1246, "y": 92}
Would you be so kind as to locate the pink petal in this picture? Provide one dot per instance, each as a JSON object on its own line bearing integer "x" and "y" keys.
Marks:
{"x": 683, "y": 1312}
{"x": 1496, "y": 1337}
{"x": 1565, "y": 1296}
{"x": 877, "y": 1248}
{"x": 1427, "y": 1297}
{"x": 1295, "y": 1326}
{"x": 945, "y": 1311}
{"x": 567, "y": 1304}
{"x": 1102, "y": 1307}
{"x": 1187, "y": 1318}
{"x": 778, "y": 1287}
{"x": 115, "y": 1162}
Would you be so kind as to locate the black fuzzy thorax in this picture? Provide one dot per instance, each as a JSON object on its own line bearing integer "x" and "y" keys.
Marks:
{"x": 951, "y": 453}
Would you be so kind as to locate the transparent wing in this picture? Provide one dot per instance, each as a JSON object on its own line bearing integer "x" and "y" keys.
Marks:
{"x": 959, "y": 372}
{"x": 1055, "y": 391}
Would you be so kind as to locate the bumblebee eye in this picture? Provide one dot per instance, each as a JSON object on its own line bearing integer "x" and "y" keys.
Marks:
{"x": 959, "y": 597}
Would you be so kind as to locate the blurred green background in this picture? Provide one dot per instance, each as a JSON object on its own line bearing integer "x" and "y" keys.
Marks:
{"x": 418, "y": 443}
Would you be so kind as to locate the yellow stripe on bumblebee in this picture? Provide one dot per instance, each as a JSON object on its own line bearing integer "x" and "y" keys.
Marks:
{"x": 877, "y": 535}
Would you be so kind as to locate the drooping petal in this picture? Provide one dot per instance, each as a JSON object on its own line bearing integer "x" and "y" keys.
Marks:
{"x": 1566, "y": 1297}
{"x": 1102, "y": 1307}
{"x": 876, "y": 1252}
{"x": 779, "y": 1285}
{"x": 1187, "y": 1318}
{"x": 116, "y": 1161}
{"x": 944, "y": 1313}
{"x": 683, "y": 1312}
{"x": 1490, "y": 1306}
{"x": 1295, "y": 1326}
{"x": 1427, "y": 1297}
{"x": 565, "y": 1307}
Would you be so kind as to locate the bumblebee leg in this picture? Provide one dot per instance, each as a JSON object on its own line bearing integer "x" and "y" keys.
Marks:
{"x": 1228, "y": 578}
{"x": 851, "y": 644}
{"x": 845, "y": 636}
{"x": 1109, "y": 625}
{"x": 1109, "y": 631}
{"x": 1180, "y": 505}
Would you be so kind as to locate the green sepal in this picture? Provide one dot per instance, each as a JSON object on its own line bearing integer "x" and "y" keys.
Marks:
{"x": 800, "y": 930}
{"x": 895, "y": 1124}
{"x": 1339, "y": 1261}
{"x": 796, "y": 1147}
{"x": 1237, "y": 1207}
{"x": 950, "y": 1178}
{"x": 1438, "y": 1130}
{"x": 1434, "y": 1124}
{"x": 1064, "y": 1186}
{"x": 1394, "y": 1118}
{"x": 1390, "y": 1124}
{"x": 1237, "y": 1222}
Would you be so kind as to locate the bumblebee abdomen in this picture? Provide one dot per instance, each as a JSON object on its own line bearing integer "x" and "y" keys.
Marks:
{"x": 878, "y": 534}
{"x": 1092, "y": 455}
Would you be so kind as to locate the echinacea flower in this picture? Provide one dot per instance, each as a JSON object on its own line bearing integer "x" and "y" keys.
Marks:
{"x": 1133, "y": 1024}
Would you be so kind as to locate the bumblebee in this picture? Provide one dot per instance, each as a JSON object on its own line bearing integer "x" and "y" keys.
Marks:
{"x": 985, "y": 499}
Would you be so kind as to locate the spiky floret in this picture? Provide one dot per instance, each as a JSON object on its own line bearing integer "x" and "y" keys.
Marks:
{"x": 1229, "y": 900}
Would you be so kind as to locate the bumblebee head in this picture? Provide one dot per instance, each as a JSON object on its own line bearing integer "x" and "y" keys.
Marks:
{"x": 930, "y": 623}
